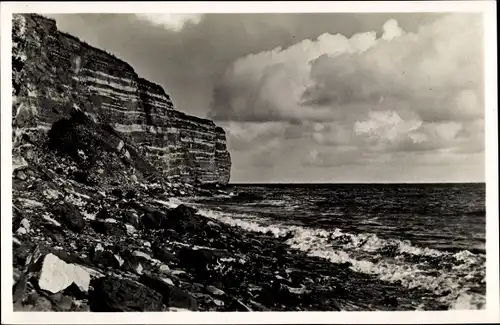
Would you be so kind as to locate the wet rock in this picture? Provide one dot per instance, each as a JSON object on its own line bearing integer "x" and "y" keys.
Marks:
{"x": 154, "y": 220}
{"x": 107, "y": 228}
{"x": 163, "y": 254}
{"x": 246, "y": 196}
{"x": 105, "y": 257}
{"x": 171, "y": 234}
{"x": 172, "y": 296}
{"x": 196, "y": 259}
{"x": 70, "y": 216}
{"x": 115, "y": 295}
{"x": 183, "y": 219}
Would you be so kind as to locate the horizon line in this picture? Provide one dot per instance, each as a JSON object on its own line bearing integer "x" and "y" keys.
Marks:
{"x": 364, "y": 183}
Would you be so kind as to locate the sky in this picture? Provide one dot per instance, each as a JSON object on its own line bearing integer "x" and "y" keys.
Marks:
{"x": 332, "y": 97}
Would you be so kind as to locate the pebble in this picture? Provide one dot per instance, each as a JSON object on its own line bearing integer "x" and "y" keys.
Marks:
{"x": 215, "y": 291}
{"x": 164, "y": 268}
{"x": 26, "y": 224}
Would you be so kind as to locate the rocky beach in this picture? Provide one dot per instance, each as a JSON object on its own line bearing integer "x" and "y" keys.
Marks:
{"x": 107, "y": 180}
{"x": 129, "y": 247}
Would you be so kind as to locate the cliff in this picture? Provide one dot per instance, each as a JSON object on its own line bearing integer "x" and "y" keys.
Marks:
{"x": 55, "y": 75}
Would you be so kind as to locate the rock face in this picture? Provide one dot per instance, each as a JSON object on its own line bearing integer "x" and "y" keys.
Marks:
{"x": 55, "y": 74}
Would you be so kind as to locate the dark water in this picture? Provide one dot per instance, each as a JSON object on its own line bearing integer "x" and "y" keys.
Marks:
{"x": 429, "y": 236}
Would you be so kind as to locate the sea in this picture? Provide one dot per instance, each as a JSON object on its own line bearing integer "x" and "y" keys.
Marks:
{"x": 423, "y": 236}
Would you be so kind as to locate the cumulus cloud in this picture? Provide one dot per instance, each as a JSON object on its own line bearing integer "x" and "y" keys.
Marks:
{"x": 402, "y": 92}
{"x": 174, "y": 22}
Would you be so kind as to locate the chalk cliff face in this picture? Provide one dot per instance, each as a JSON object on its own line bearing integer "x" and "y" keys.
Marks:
{"x": 55, "y": 73}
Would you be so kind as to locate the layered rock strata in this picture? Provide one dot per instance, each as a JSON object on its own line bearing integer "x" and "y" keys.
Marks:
{"x": 55, "y": 73}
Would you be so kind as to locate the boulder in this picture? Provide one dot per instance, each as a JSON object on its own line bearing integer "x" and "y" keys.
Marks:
{"x": 163, "y": 254}
{"x": 56, "y": 275}
{"x": 170, "y": 234}
{"x": 105, "y": 257}
{"x": 195, "y": 259}
{"x": 70, "y": 216}
{"x": 118, "y": 295}
{"x": 184, "y": 218}
{"x": 107, "y": 228}
{"x": 172, "y": 296}
{"x": 154, "y": 220}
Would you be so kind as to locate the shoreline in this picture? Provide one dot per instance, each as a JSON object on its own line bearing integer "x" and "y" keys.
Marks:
{"x": 132, "y": 239}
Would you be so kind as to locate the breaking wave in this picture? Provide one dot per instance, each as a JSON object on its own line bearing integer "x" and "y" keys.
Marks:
{"x": 448, "y": 276}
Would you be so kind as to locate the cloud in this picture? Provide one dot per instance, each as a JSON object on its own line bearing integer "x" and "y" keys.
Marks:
{"x": 363, "y": 100}
{"x": 173, "y": 22}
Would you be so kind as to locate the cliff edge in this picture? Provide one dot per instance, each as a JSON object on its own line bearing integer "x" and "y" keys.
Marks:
{"x": 55, "y": 76}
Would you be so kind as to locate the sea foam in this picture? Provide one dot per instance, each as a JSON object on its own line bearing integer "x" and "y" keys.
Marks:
{"x": 450, "y": 286}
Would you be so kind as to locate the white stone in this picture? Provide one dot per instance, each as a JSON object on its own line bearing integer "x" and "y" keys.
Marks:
{"x": 164, "y": 269}
{"x": 130, "y": 229}
{"x": 110, "y": 220}
{"x": 120, "y": 145}
{"x": 16, "y": 241}
{"x": 139, "y": 269}
{"x": 18, "y": 162}
{"x": 141, "y": 254}
{"x": 119, "y": 259}
{"x": 21, "y": 231}
{"x": 57, "y": 275}
{"x": 215, "y": 291}
{"x": 26, "y": 224}
{"x": 147, "y": 244}
{"x": 133, "y": 178}
{"x": 218, "y": 302}
{"x": 167, "y": 280}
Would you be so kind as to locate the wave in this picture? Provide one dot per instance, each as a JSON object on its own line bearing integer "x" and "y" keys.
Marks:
{"x": 277, "y": 203}
{"x": 452, "y": 284}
